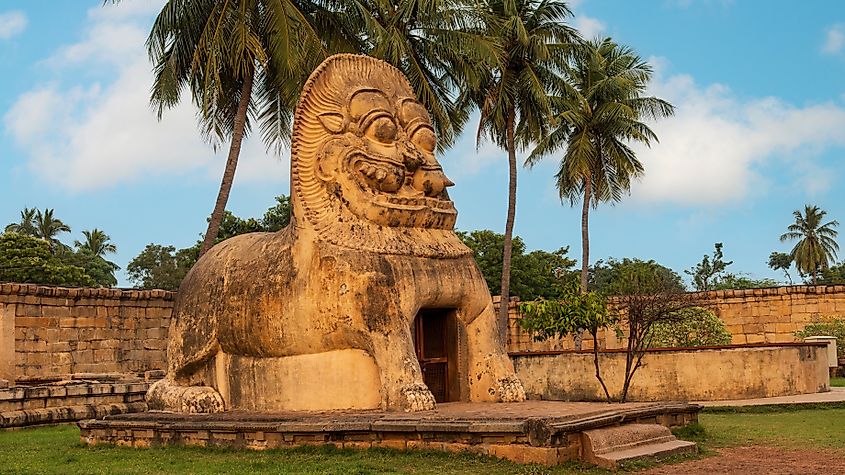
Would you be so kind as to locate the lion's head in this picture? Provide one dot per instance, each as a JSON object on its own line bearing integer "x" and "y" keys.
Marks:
{"x": 363, "y": 167}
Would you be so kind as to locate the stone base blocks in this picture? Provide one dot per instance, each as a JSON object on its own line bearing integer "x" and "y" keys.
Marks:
{"x": 611, "y": 446}
{"x": 70, "y": 400}
{"x": 543, "y": 432}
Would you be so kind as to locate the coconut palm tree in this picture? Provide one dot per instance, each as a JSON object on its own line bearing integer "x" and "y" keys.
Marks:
{"x": 439, "y": 45}
{"x": 513, "y": 95}
{"x": 96, "y": 243}
{"x": 47, "y": 227}
{"x": 243, "y": 61}
{"x": 26, "y": 226}
{"x": 816, "y": 247}
{"x": 600, "y": 114}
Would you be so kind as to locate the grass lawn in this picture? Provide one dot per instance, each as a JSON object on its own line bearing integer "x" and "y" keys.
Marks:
{"x": 838, "y": 382}
{"x": 57, "y": 450}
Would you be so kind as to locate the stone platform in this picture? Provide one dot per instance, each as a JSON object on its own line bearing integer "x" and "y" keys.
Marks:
{"x": 546, "y": 432}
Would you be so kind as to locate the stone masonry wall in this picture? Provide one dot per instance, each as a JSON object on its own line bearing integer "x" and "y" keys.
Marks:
{"x": 770, "y": 315}
{"x": 52, "y": 331}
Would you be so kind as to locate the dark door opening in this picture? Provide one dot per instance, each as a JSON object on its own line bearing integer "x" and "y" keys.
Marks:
{"x": 435, "y": 343}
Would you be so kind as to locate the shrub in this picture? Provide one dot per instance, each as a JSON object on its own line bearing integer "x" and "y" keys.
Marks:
{"x": 696, "y": 327}
{"x": 829, "y": 326}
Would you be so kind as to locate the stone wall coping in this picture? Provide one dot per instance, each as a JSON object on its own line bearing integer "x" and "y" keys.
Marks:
{"x": 688, "y": 349}
{"x": 73, "y": 293}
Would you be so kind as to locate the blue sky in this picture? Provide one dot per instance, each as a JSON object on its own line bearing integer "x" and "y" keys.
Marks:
{"x": 759, "y": 132}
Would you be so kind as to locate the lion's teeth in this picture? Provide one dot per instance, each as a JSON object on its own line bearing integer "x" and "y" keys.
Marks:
{"x": 381, "y": 175}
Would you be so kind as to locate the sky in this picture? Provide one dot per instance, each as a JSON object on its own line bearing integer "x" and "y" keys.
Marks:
{"x": 759, "y": 131}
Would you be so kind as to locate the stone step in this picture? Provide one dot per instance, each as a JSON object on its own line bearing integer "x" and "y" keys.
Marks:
{"x": 610, "y": 446}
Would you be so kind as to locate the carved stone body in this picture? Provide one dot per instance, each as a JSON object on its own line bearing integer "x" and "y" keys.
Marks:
{"x": 320, "y": 314}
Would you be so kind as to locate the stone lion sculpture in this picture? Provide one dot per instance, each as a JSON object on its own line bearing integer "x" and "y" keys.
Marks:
{"x": 319, "y": 315}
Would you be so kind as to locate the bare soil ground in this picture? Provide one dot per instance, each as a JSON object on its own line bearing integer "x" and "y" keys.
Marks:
{"x": 755, "y": 460}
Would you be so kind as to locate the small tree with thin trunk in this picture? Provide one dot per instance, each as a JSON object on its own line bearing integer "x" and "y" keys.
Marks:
{"x": 574, "y": 313}
{"x": 645, "y": 299}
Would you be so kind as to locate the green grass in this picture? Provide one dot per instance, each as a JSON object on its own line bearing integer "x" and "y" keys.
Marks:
{"x": 57, "y": 450}
{"x": 838, "y": 382}
{"x": 794, "y": 428}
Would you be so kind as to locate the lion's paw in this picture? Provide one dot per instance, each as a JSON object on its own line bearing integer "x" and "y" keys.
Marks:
{"x": 202, "y": 400}
{"x": 416, "y": 397}
{"x": 168, "y": 396}
{"x": 509, "y": 389}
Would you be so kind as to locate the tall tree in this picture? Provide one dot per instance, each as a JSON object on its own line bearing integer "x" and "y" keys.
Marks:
{"x": 707, "y": 273}
{"x": 47, "y": 227}
{"x": 96, "y": 242}
{"x": 439, "y": 45}
{"x": 513, "y": 96}
{"x": 26, "y": 225}
{"x": 601, "y": 112}
{"x": 241, "y": 60}
{"x": 816, "y": 247}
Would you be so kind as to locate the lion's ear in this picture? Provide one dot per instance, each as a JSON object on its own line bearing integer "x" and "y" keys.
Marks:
{"x": 332, "y": 121}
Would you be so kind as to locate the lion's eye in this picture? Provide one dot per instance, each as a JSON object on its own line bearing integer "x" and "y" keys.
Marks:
{"x": 424, "y": 139}
{"x": 383, "y": 129}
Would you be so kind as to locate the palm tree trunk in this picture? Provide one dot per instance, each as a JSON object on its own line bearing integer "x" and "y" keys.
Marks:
{"x": 231, "y": 165}
{"x": 508, "y": 245}
{"x": 585, "y": 233}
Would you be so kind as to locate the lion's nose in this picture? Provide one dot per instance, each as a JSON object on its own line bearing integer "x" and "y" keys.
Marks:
{"x": 431, "y": 182}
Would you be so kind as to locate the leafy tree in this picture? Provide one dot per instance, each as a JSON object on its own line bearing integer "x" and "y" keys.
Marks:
{"x": 26, "y": 226}
{"x": 96, "y": 242}
{"x": 696, "y": 327}
{"x": 278, "y": 216}
{"x": 25, "y": 259}
{"x": 706, "y": 274}
{"x": 537, "y": 274}
{"x": 781, "y": 261}
{"x": 734, "y": 282}
{"x": 98, "y": 268}
{"x": 572, "y": 314}
{"x": 648, "y": 298}
{"x": 601, "y": 111}
{"x": 159, "y": 267}
{"x": 607, "y": 277}
{"x": 833, "y": 275}
{"x": 513, "y": 95}
{"x": 47, "y": 227}
{"x": 816, "y": 247}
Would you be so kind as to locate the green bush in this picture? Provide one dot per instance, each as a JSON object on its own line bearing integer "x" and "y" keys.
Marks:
{"x": 697, "y": 327}
{"x": 26, "y": 259}
{"x": 828, "y": 326}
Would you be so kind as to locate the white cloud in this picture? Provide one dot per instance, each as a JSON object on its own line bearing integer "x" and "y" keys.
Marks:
{"x": 588, "y": 26}
{"x": 716, "y": 146}
{"x": 834, "y": 40}
{"x": 12, "y": 23}
{"x": 90, "y": 135}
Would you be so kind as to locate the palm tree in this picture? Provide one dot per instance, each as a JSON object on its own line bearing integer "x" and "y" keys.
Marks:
{"x": 599, "y": 115}
{"x": 816, "y": 247}
{"x": 513, "y": 95}
{"x": 439, "y": 46}
{"x": 96, "y": 242}
{"x": 48, "y": 227}
{"x": 26, "y": 226}
{"x": 242, "y": 61}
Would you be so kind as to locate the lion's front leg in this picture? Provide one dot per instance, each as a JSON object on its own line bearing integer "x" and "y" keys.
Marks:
{"x": 402, "y": 385}
{"x": 491, "y": 373}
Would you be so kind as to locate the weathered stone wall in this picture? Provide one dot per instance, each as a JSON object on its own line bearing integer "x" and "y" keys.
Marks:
{"x": 743, "y": 372}
{"x": 53, "y": 331}
{"x": 771, "y": 315}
